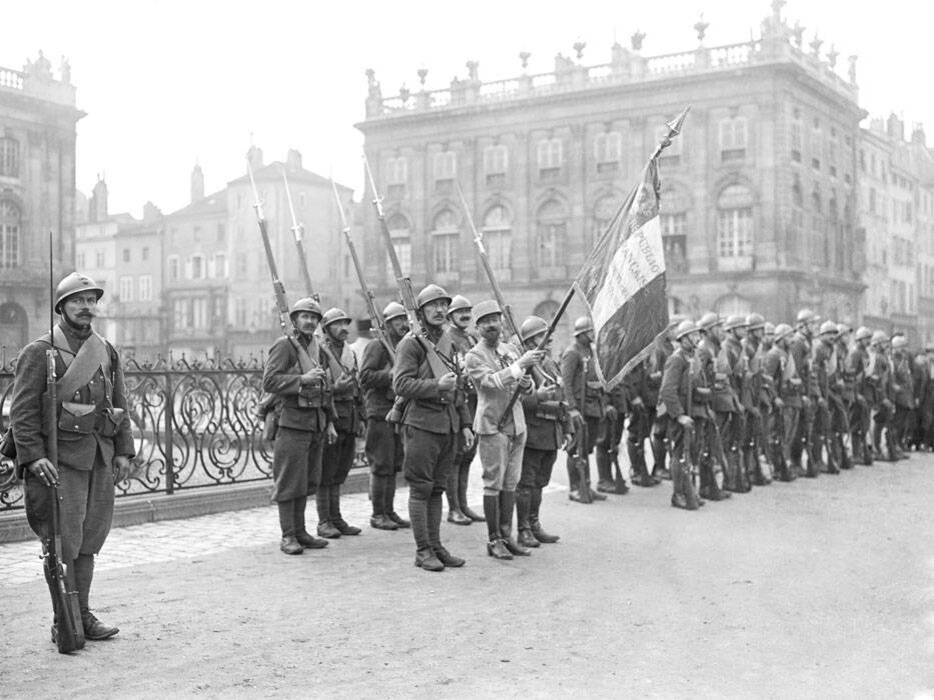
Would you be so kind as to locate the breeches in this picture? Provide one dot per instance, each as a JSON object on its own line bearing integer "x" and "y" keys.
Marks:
{"x": 296, "y": 463}
{"x": 536, "y": 468}
{"x": 427, "y": 462}
{"x": 501, "y": 457}
{"x": 338, "y": 459}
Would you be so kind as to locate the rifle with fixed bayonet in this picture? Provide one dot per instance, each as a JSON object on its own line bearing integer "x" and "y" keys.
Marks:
{"x": 376, "y": 318}
{"x": 298, "y": 231}
{"x": 69, "y": 633}
{"x": 278, "y": 289}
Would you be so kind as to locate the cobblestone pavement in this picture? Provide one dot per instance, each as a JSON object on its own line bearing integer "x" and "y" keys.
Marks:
{"x": 819, "y": 588}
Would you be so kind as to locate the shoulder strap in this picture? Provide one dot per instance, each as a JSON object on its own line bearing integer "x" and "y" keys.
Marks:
{"x": 92, "y": 356}
{"x": 306, "y": 360}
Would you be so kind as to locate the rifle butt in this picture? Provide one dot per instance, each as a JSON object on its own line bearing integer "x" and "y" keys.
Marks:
{"x": 69, "y": 635}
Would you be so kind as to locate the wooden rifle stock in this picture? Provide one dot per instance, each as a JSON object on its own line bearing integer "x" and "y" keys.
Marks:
{"x": 297, "y": 231}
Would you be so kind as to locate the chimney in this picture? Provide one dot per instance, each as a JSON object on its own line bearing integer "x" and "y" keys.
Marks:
{"x": 197, "y": 183}
{"x": 151, "y": 213}
{"x": 918, "y": 136}
{"x": 895, "y": 127}
{"x": 255, "y": 158}
{"x": 293, "y": 160}
{"x": 97, "y": 209}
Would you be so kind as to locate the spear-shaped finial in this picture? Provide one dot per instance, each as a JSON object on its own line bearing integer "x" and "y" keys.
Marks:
{"x": 674, "y": 128}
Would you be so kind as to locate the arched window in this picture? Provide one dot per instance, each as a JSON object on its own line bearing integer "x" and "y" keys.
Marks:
{"x": 398, "y": 227}
{"x": 734, "y": 228}
{"x": 552, "y": 224}
{"x": 445, "y": 239}
{"x": 10, "y": 229}
{"x": 608, "y": 149}
{"x": 9, "y": 157}
{"x": 497, "y": 237}
{"x": 673, "y": 221}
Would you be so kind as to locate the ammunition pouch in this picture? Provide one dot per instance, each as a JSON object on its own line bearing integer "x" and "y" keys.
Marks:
{"x": 313, "y": 395}
{"x": 701, "y": 394}
{"x": 552, "y": 410}
{"x": 78, "y": 417}
{"x": 110, "y": 421}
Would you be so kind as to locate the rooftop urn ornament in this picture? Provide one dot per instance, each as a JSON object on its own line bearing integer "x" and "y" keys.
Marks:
{"x": 579, "y": 47}
{"x": 636, "y": 40}
{"x": 524, "y": 57}
{"x": 832, "y": 56}
{"x": 852, "y": 61}
{"x": 798, "y": 32}
{"x": 815, "y": 45}
{"x": 422, "y": 74}
{"x": 700, "y": 26}
{"x": 777, "y": 6}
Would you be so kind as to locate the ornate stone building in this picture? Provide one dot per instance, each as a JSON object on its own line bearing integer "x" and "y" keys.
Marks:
{"x": 758, "y": 192}
{"x": 37, "y": 193}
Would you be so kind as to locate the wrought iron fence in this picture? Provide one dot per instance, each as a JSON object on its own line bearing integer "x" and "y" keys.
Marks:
{"x": 194, "y": 425}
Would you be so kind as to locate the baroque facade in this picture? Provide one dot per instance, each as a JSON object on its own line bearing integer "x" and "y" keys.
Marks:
{"x": 38, "y": 117}
{"x": 758, "y": 192}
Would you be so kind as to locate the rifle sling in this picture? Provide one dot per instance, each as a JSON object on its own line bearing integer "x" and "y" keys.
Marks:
{"x": 80, "y": 368}
{"x": 306, "y": 360}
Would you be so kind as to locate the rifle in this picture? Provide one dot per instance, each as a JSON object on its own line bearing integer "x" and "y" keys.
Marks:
{"x": 297, "y": 231}
{"x": 70, "y": 629}
{"x": 583, "y": 466}
{"x": 376, "y": 318}
{"x": 282, "y": 306}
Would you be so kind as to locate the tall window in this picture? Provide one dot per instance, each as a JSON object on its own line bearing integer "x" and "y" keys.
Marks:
{"x": 445, "y": 238}
{"x": 397, "y": 173}
{"x": 733, "y": 139}
{"x": 445, "y": 166}
{"x": 497, "y": 236}
{"x": 552, "y": 232}
{"x": 196, "y": 267}
{"x": 674, "y": 240}
{"x": 180, "y": 319}
{"x": 495, "y": 164}
{"x": 239, "y": 312}
{"x": 816, "y": 145}
{"x": 126, "y": 255}
{"x": 173, "y": 267}
{"x": 9, "y": 157}
{"x": 100, "y": 258}
{"x": 199, "y": 313}
{"x": 608, "y": 149}
{"x": 126, "y": 288}
{"x": 550, "y": 158}
{"x": 145, "y": 287}
{"x": 734, "y": 228}
{"x": 797, "y": 140}
{"x": 221, "y": 232}
{"x": 9, "y": 235}
{"x": 220, "y": 266}
{"x": 402, "y": 241}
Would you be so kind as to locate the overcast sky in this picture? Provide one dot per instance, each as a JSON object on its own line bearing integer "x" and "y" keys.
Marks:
{"x": 167, "y": 84}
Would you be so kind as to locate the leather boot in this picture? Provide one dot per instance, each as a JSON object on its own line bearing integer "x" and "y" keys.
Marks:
{"x": 435, "y": 508}
{"x": 507, "y": 506}
{"x": 302, "y": 536}
{"x": 288, "y": 544}
{"x": 535, "y": 507}
{"x": 463, "y": 476}
{"x": 742, "y": 470}
{"x": 678, "y": 499}
{"x": 336, "y": 518}
{"x": 712, "y": 490}
{"x": 495, "y": 548}
{"x": 455, "y": 514}
{"x": 424, "y": 555}
{"x": 389, "y": 497}
{"x": 605, "y": 482}
{"x": 658, "y": 455}
{"x": 832, "y": 465}
{"x": 637, "y": 460}
{"x": 323, "y": 504}
{"x": 692, "y": 501}
{"x": 523, "y": 509}
{"x": 815, "y": 464}
{"x": 94, "y": 629}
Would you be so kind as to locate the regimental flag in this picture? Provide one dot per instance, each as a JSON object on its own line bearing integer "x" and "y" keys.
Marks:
{"x": 623, "y": 283}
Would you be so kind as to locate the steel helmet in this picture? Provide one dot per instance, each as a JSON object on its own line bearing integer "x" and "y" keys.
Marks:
{"x": 783, "y": 330}
{"x": 305, "y": 304}
{"x": 828, "y": 327}
{"x": 583, "y": 324}
{"x": 334, "y": 315}
{"x": 72, "y": 284}
{"x": 458, "y": 303}
{"x": 843, "y": 328}
{"x": 879, "y": 338}
{"x": 734, "y": 321}
{"x": 531, "y": 327}
{"x": 708, "y": 321}
{"x": 685, "y": 328}
{"x": 393, "y": 310}
{"x": 863, "y": 333}
{"x": 487, "y": 307}
{"x": 768, "y": 328}
{"x": 899, "y": 341}
{"x": 431, "y": 293}
{"x": 755, "y": 321}
{"x": 806, "y": 315}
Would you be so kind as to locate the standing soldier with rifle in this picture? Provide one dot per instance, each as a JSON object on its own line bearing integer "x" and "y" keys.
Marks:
{"x": 459, "y": 512}
{"x": 426, "y": 376}
{"x": 93, "y": 445}
{"x": 348, "y": 422}
{"x": 586, "y": 403}
{"x": 780, "y": 370}
{"x": 676, "y": 396}
{"x": 859, "y": 367}
{"x": 495, "y": 368}
{"x": 295, "y": 377}
{"x": 547, "y": 424}
{"x": 384, "y": 447}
